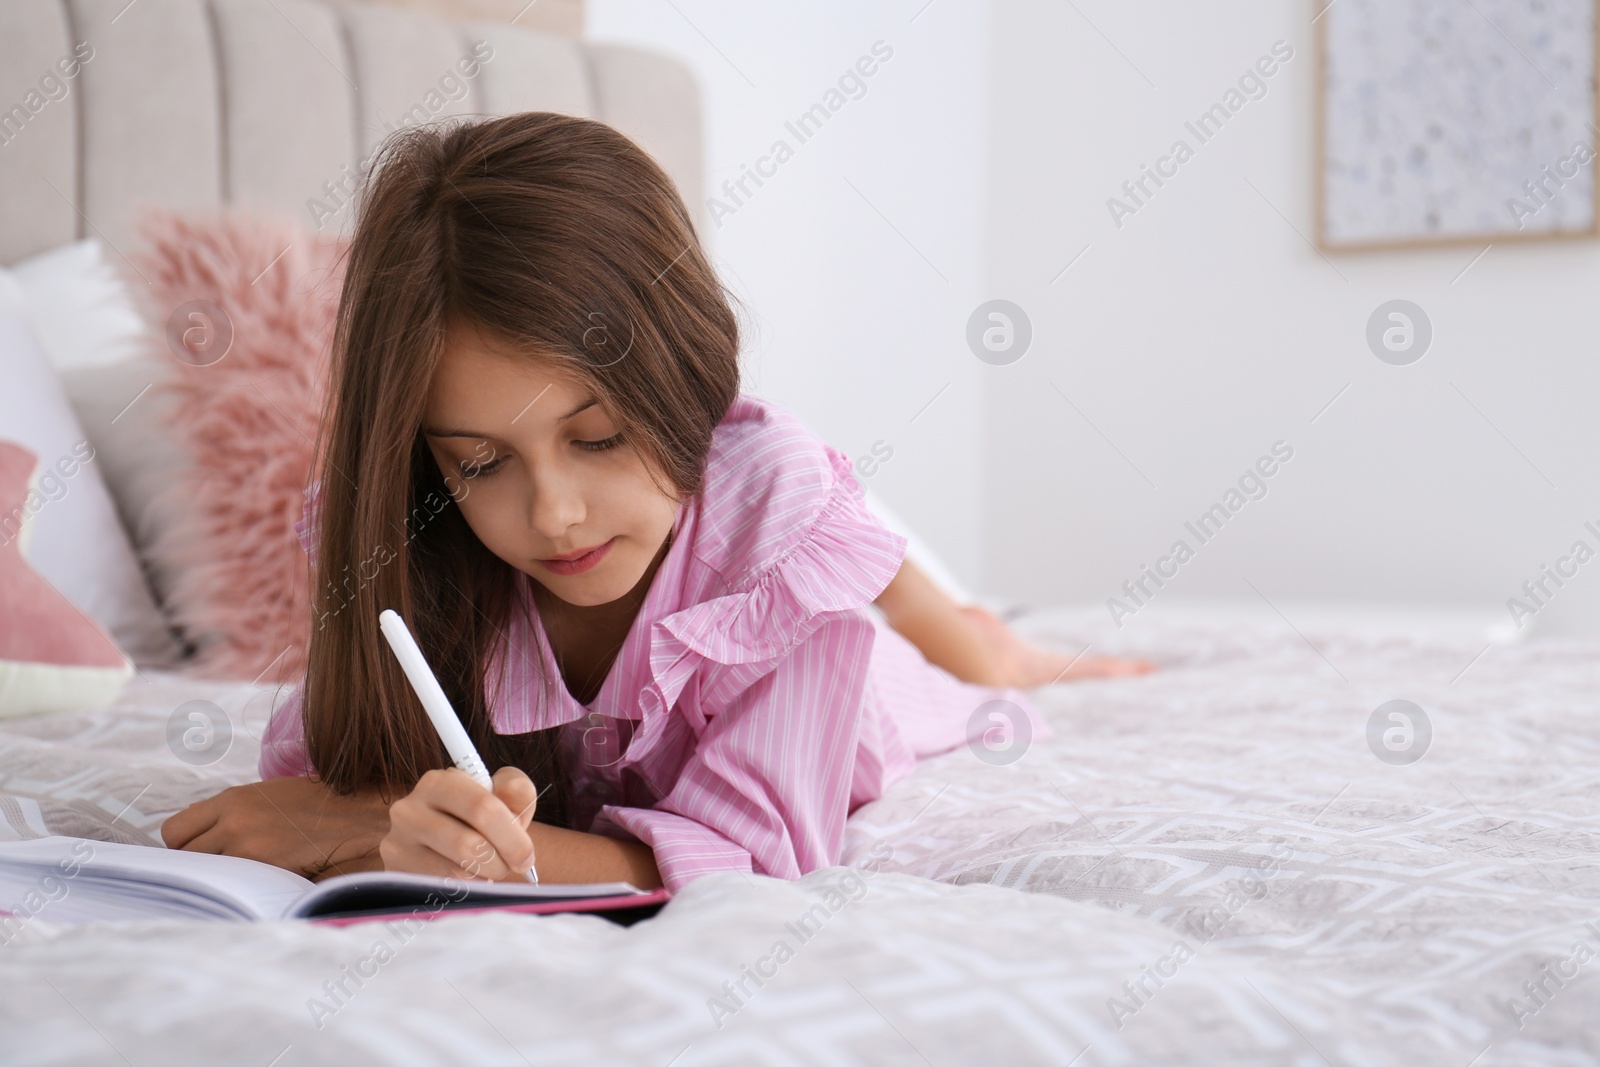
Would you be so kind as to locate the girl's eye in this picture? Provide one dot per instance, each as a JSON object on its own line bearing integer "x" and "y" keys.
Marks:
{"x": 600, "y": 446}
{"x": 481, "y": 470}
{"x": 484, "y": 470}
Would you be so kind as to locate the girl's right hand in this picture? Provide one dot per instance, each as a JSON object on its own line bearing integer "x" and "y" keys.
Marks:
{"x": 450, "y": 826}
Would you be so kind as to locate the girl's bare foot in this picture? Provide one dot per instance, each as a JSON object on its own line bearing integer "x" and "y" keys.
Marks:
{"x": 1015, "y": 662}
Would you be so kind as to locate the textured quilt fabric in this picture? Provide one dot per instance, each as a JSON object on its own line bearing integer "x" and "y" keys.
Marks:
{"x": 1208, "y": 865}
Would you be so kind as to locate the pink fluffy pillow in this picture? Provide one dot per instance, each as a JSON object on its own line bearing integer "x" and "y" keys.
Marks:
{"x": 53, "y": 657}
{"x": 241, "y": 311}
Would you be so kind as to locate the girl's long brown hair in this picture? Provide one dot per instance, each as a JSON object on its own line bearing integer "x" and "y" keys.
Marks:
{"x": 557, "y": 235}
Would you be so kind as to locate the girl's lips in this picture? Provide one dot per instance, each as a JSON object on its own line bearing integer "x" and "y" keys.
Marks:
{"x": 581, "y": 564}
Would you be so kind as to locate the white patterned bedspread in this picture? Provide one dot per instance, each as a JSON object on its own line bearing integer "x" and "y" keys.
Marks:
{"x": 1207, "y": 865}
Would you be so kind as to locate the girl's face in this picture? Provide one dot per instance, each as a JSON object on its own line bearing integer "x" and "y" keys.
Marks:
{"x": 542, "y": 471}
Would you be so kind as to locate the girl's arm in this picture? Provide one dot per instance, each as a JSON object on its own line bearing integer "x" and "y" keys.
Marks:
{"x": 927, "y": 617}
{"x": 452, "y": 827}
{"x": 976, "y": 645}
{"x": 299, "y": 824}
{"x": 571, "y": 856}
{"x": 292, "y": 822}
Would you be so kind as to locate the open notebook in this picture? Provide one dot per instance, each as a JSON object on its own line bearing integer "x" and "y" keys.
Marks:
{"x": 71, "y": 879}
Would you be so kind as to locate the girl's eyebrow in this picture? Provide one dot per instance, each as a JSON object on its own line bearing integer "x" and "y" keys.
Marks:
{"x": 454, "y": 432}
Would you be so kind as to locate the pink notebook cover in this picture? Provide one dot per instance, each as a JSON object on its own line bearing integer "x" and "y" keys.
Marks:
{"x": 548, "y": 907}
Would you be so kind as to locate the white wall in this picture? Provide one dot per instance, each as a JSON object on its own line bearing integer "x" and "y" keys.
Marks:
{"x": 1206, "y": 328}
{"x": 1193, "y": 337}
{"x": 852, "y": 329}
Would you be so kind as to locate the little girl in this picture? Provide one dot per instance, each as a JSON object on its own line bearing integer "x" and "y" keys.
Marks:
{"x": 644, "y": 591}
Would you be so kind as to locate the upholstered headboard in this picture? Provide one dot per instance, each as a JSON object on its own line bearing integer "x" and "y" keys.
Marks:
{"x": 105, "y": 104}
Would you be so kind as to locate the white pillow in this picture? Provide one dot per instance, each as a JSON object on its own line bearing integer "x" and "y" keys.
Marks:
{"x": 141, "y": 463}
{"x": 77, "y": 542}
{"x": 80, "y": 309}
{"x": 105, "y": 364}
{"x": 12, "y": 300}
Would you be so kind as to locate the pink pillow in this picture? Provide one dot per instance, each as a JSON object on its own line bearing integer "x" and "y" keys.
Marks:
{"x": 241, "y": 311}
{"x": 53, "y": 657}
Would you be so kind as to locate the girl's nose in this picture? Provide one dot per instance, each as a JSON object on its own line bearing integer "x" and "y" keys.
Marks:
{"x": 556, "y": 503}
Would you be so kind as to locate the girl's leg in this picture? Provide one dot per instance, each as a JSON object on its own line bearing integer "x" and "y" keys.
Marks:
{"x": 975, "y": 645}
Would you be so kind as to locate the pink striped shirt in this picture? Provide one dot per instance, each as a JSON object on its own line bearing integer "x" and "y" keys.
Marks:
{"x": 757, "y": 700}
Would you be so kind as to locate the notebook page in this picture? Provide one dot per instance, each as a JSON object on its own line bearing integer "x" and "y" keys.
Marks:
{"x": 114, "y": 880}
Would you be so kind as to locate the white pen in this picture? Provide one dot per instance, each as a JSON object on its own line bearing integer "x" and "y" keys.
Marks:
{"x": 436, "y": 704}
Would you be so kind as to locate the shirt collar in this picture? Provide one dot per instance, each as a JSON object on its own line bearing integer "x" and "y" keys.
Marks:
{"x": 535, "y": 706}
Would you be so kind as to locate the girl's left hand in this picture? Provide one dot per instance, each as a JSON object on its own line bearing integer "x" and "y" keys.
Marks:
{"x": 450, "y": 826}
{"x": 1016, "y": 662}
{"x": 1105, "y": 667}
{"x": 298, "y": 824}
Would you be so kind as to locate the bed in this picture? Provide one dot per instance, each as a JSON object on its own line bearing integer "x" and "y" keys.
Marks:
{"x": 1333, "y": 907}
{"x": 1210, "y": 864}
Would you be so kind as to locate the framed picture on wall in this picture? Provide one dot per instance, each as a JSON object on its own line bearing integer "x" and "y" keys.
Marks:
{"x": 1455, "y": 121}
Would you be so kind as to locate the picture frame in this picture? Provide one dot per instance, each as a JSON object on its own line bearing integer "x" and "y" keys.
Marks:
{"x": 1458, "y": 123}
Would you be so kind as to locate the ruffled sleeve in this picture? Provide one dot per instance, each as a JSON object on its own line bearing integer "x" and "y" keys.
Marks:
{"x": 283, "y": 743}
{"x": 844, "y": 558}
{"x": 308, "y": 521}
{"x": 779, "y": 673}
